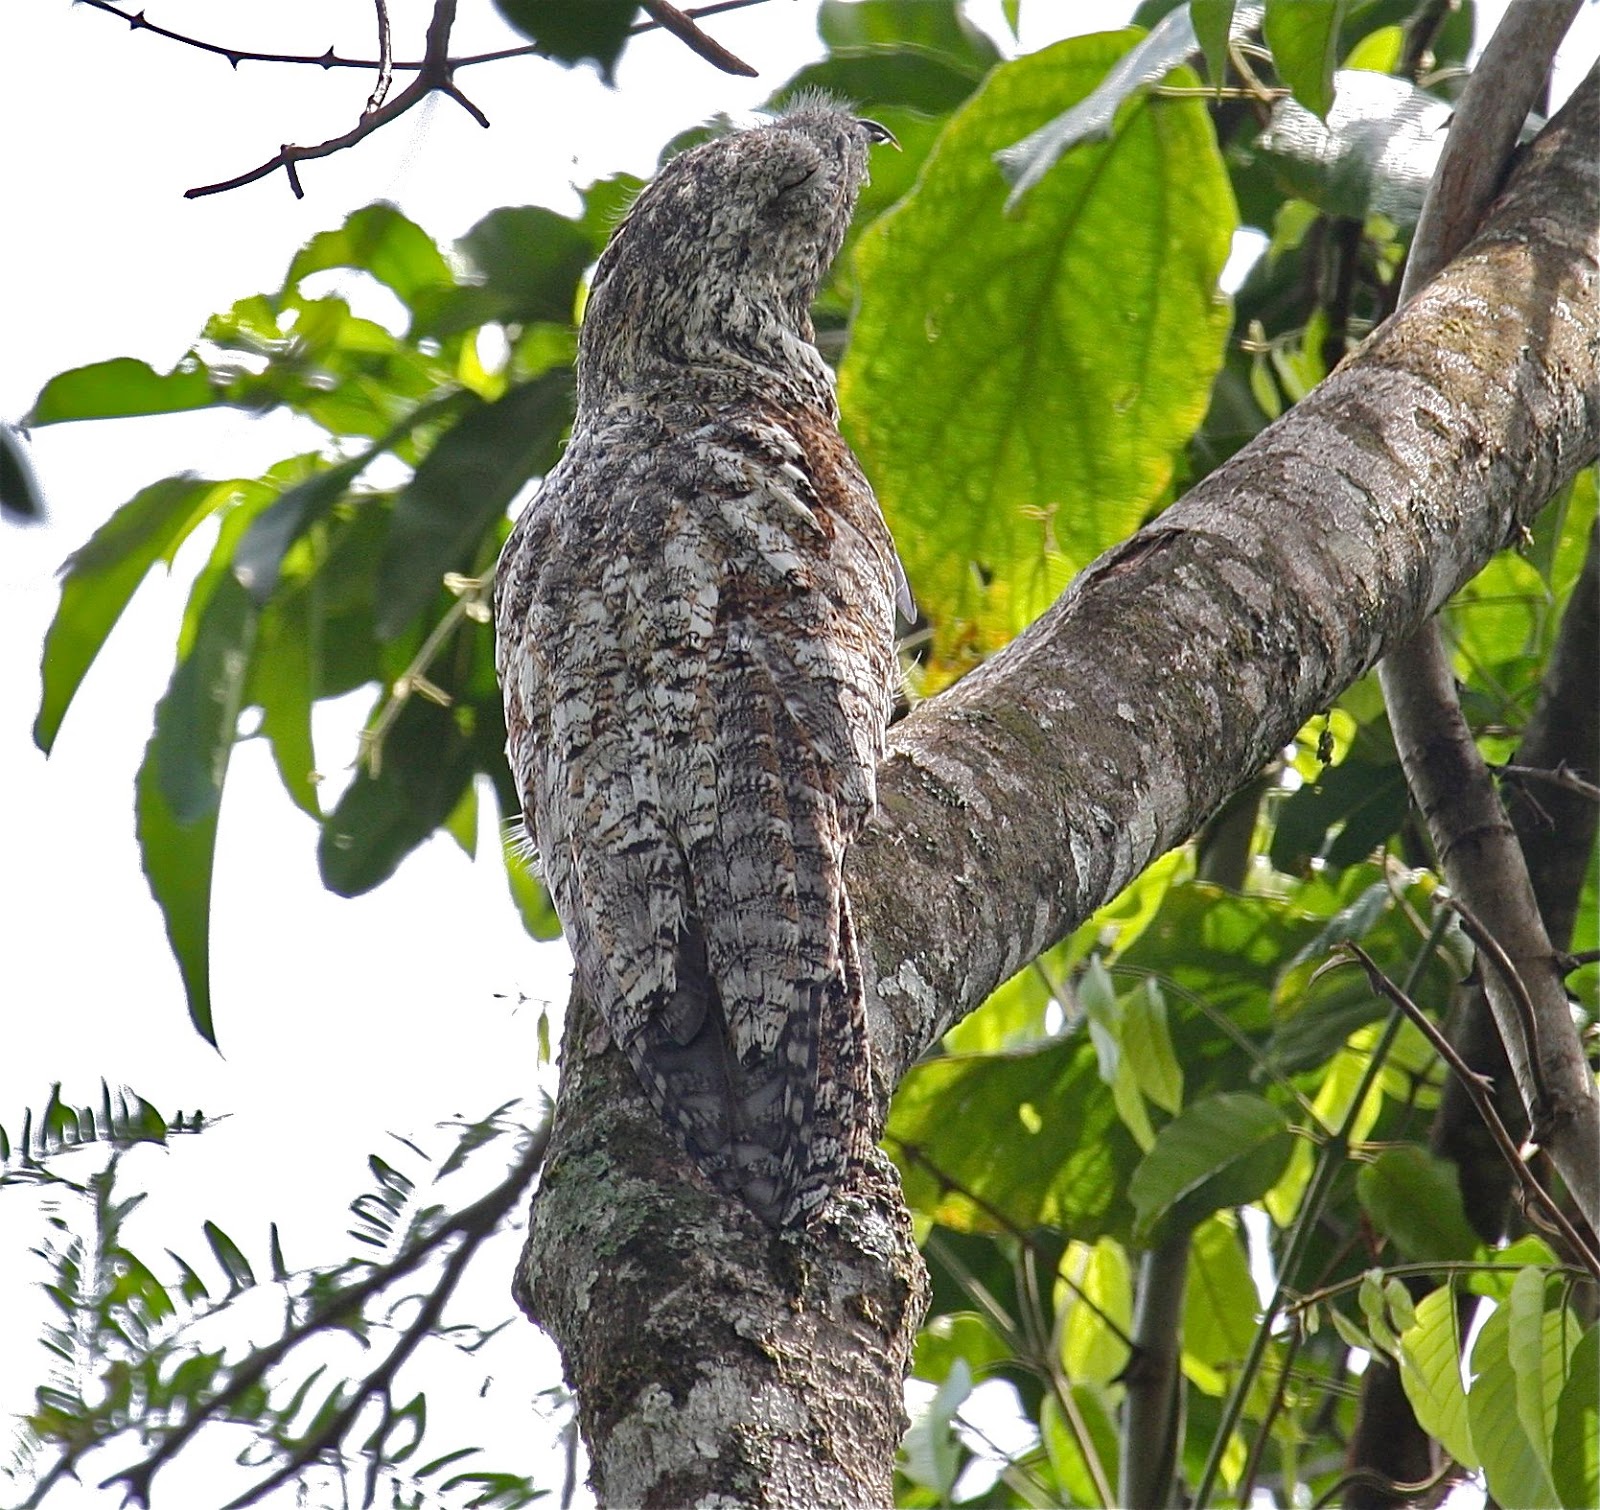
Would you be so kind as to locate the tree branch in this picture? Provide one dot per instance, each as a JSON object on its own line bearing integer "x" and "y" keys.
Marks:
{"x": 1450, "y": 783}
{"x": 434, "y": 74}
{"x": 1478, "y": 1088}
{"x": 330, "y": 59}
{"x": 1024, "y": 797}
{"x": 681, "y": 25}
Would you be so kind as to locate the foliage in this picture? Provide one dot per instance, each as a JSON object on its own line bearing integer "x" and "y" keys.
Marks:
{"x": 150, "y": 1359}
{"x": 1025, "y": 390}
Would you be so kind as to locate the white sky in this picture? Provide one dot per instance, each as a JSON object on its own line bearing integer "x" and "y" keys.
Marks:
{"x": 338, "y": 1019}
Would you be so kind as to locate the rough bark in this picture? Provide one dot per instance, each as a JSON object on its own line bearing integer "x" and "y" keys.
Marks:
{"x": 718, "y": 1364}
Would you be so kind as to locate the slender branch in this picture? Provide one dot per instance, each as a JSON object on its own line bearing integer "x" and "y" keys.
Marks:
{"x": 1395, "y": 1489}
{"x": 669, "y": 18}
{"x": 380, "y": 90}
{"x": 378, "y": 1381}
{"x": 1329, "y": 1162}
{"x": 1517, "y": 990}
{"x": 1472, "y": 834}
{"x": 434, "y": 74}
{"x": 1444, "y": 1267}
{"x": 1562, "y": 776}
{"x": 330, "y": 59}
{"x": 1477, "y": 1086}
{"x": 474, "y": 1222}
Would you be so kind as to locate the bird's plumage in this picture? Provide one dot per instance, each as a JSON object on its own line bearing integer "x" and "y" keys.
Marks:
{"x": 695, "y": 621}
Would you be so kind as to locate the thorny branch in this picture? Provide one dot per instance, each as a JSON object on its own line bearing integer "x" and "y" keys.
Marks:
{"x": 434, "y": 74}
{"x": 1478, "y": 1088}
{"x": 330, "y": 59}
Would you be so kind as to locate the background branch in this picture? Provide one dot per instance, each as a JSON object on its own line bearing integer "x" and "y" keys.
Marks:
{"x": 1450, "y": 783}
{"x": 330, "y": 59}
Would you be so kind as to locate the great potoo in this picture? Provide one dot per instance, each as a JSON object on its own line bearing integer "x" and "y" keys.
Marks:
{"x": 695, "y": 626}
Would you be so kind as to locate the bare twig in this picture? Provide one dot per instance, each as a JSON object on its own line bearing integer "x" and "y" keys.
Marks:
{"x": 1562, "y": 776}
{"x": 1517, "y": 990}
{"x": 380, "y": 90}
{"x": 330, "y": 59}
{"x": 670, "y": 18}
{"x": 1478, "y": 1088}
{"x": 434, "y": 75}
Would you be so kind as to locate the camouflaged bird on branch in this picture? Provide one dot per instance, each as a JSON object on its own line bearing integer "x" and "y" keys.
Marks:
{"x": 695, "y": 626}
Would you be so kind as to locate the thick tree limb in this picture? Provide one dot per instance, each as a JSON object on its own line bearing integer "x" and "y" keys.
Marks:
{"x": 712, "y": 1357}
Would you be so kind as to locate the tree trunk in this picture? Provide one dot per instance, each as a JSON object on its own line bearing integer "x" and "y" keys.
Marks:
{"x": 713, "y": 1358}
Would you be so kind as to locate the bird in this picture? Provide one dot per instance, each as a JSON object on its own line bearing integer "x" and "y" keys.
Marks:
{"x": 695, "y": 637}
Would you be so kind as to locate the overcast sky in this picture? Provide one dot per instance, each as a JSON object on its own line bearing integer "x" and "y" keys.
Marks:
{"x": 338, "y": 1019}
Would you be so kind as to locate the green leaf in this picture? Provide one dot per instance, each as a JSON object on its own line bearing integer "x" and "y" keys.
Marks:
{"x": 283, "y": 683}
{"x": 1147, "y": 1044}
{"x": 574, "y": 31}
{"x": 197, "y": 721}
{"x": 1219, "y": 1305}
{"x": 1538, "y": 1341}
{"x": 379, "y": 240}
{"x": 1222, "y": 1151}
{"x": 908, "y": 76}
{"x": 531, "y": 260}
{"x": 1211, "y": 20}
{"x": 1053, "y": 1151}
{"x": 1304, "y": 39}
{"x": 462, "y": 488}
{"x": 426, "y": 763}
{"x": 1575, "y": 1446}
{"x": 177, "y": 862}
{"x": 1342, "y": 816}
{"x": 930, "y": 1454}
{"x": 100, "y": 578}
{"x": 122, "y": 387}
{"x": 939, "y": 26}
{"x": 259, "y": 557}
{"x": 1430, "y": 1372}
{"x": 953, "y": 1336}
{"x": 1009, "y": 439}
{"x": 232, "y": 1262}
{"x": 1101, "y": 1286}
{"x": 528, "y": 891}
{"x": 1069, "y": 1456}
{"x": 1516, "y": 1467}
{"x": 1415, "y": 1199}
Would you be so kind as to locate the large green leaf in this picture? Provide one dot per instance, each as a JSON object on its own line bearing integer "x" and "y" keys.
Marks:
{"x": 938, "y": 26}
{"x": 101, "y": 576}
{"x": 1222, "y": 1151}
{"x": 1575, "y": 1446}
{"x": 379, "y": 240}
{"x": 1516, "y": 1465}
{"x": 197, "y": 721}
{"x": 1304, "y": 38}
{"x": 122, "y": 387}
{"x": 1053, "y": 1152}
{"x": 1430, "y": 1371}
{"x": 1415, "y": 1199}
{"x": 427, "y": 761}
{"x": 1219, "y": 1305}
{"x": 462, "y": 487}
{"x": 574, "y": 31}
{"x": 1019, "y": 389}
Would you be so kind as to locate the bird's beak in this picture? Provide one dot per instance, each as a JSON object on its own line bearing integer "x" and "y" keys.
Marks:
{"x": 881, "y": 135}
